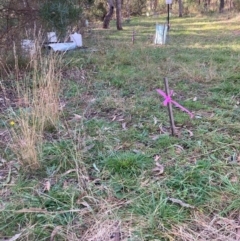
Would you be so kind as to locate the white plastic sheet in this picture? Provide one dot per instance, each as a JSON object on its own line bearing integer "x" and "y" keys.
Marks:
{"x": 76, "y": 42}
{"x": 62, "y": 46}
{"x": 28, "y": 46}
{"x": 76, "y": 38}
{"x": 52, "y": 37}
{"x": 161, "y": 33}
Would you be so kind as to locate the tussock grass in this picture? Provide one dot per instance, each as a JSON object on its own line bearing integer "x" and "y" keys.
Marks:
{"x": 46, "y": 88}
{"x": 26, "y": 140}
{"x": 38, "y": 100}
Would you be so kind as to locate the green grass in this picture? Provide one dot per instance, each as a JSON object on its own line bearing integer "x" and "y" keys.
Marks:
{"x": 99, "y": 163}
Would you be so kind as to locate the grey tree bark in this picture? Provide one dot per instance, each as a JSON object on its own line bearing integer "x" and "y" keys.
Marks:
{"x": 119, "y": 14}
{"x": 180, "y": 4}
{"x": 221, "y": 7}
{"x": 109, "y": 14}
{"x": 128, "y": 9}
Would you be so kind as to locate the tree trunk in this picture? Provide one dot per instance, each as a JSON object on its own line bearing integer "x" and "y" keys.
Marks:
{"x": 119, "y": 14}
{"x": 109, "y": 14}
{"x": 230, "y": 5}
{"x": 128, "y": 9}
{"x": 155, "y": 5}
{"x": 151, "y": 5}
{"x": 221, "y": 7}
{"x": 180, "y": 4}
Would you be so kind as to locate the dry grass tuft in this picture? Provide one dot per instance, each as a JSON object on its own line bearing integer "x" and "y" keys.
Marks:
{"x": 104, "y": 230}
{"x": 205, "y": 228}
{"x": 26, "y": 140}
{"x": 105, "y": 224}
{"x": 39, "y": 110}
{"x": 46, "y": 91}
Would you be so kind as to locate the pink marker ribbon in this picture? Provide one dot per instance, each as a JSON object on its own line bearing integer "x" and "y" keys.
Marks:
{"x": 168, "y": 99}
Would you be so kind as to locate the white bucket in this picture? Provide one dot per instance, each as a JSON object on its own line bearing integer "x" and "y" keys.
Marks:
{"x": 52, "y": 37}
{"x": 76, "y": 38}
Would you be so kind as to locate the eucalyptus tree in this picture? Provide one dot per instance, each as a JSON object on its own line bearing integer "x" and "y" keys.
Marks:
{"x": 180, "y": 8}
{"x": 109, "y": 15}
{"x": 221, "y": 6}
{"x": 119, "y": 14}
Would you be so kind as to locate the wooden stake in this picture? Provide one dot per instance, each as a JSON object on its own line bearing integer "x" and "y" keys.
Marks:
{"x": 133, "y": 36}
{"x": 170, "y": 112}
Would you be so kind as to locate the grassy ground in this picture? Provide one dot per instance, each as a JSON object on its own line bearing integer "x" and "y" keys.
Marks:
{"x": 110, "y": 170}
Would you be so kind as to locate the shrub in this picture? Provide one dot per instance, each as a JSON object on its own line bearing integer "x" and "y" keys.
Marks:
{"x": 58, "y": 15}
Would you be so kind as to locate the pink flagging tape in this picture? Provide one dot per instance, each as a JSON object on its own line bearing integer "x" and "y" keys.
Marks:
{"x": 168, "y": 99}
